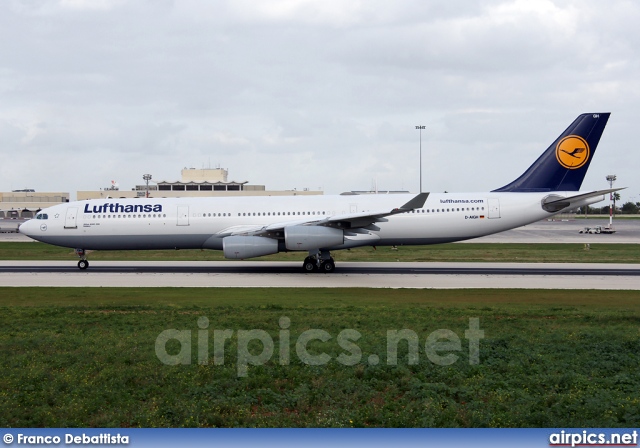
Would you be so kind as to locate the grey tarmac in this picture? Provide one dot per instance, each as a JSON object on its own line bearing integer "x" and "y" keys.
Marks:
{"x": 348, "y": 275}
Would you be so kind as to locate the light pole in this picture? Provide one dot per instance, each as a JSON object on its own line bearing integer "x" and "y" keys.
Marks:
{"x": 611, "y": 178}
{"x": 147, "y": 178}
{"x": 420, "y": 128}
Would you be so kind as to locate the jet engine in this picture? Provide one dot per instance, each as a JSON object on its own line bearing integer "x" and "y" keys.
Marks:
{"x": 242, "y": 247}
{"x": 312, "y": 237}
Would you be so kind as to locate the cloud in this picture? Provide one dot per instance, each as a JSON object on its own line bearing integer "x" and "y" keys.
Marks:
{"x": 309, "y": 93}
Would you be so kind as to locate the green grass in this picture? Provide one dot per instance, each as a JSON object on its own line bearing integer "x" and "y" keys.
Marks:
{"x": 86, "y": 357}
{"x": 529, "y": 253}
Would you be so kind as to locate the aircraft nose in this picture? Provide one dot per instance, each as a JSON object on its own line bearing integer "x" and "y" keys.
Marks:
{"x": 26, "y": 228}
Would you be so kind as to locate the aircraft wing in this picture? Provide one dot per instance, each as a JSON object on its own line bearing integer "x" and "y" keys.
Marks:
{"x": 344, "y": 221}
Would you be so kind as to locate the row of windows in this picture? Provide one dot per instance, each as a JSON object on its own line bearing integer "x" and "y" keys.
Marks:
{"x": 158, "y": 215}
{"x": 278, "y": 214}
{"x": 433, "y": 210}
{"x": 437, "y": 210}
{"x": 191, "y": 187}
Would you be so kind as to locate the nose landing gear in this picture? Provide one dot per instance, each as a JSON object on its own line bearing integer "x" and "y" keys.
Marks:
{"x": 83, "y": 263}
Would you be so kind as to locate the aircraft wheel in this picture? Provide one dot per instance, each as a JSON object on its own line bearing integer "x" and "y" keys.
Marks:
{"x": 309, "y": 265}
{"x": 328, "y": 266}
{"x": 83, "y": 264}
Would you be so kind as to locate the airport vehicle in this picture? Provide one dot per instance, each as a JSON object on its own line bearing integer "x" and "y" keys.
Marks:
{"x": 607, "y": 229}
{"x": 248, "y": 227}
{"x": 591, "y": 230}
{"x": 598, "y": 229}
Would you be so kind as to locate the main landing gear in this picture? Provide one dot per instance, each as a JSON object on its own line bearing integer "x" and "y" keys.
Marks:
{"x": 319, "y": 262}
{"x": 83, "y": 263}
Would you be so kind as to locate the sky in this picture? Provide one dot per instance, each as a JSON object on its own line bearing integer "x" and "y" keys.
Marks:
{"x": 318, "y": 94}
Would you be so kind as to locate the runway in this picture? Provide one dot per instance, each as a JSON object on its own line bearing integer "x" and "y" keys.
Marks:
{"x": 347, "y": 274}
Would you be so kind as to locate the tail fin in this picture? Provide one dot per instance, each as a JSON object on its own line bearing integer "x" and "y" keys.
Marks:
{"x": 563, "y": 165}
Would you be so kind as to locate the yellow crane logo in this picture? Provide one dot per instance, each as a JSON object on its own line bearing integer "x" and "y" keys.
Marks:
{"x": 572, "y": 152}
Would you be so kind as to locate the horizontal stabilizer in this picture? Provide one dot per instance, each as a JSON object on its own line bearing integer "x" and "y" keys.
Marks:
{"x": 555, "y": 203}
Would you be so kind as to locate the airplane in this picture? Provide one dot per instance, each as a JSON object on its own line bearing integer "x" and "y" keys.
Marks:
{"x": 248, "y": 227}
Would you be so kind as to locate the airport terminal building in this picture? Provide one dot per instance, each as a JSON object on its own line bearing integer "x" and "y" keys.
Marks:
{"x": 194, "y": 183}
{"x": 23, "y": 204}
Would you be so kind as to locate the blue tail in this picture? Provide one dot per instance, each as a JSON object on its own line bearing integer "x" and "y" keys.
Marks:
{"x": 564, "y": 164}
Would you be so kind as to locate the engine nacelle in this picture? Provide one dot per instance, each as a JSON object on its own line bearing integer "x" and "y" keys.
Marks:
{"x": 312, "y": 237}
{"x": 241, "y": 247}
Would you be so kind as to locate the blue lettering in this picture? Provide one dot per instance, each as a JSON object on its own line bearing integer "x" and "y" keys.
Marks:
{"x": 120, "y": 208}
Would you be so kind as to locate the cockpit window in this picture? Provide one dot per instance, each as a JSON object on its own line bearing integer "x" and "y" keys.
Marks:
{"x": 42, "y": 216}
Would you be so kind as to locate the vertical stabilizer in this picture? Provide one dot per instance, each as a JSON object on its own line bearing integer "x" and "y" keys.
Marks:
{"x": 564, "y": 164}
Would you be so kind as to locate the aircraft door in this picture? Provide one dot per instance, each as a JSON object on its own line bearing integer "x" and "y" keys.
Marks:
{"x": 70, "y": 219}
{"x": 494, "y": 208}
{"x": 183, "y": 215}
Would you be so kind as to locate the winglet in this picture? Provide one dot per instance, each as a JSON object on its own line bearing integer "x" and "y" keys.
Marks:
{"x": 416, "y": 202}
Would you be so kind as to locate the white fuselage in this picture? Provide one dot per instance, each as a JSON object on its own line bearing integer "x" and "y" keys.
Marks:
{"x": 189, "y": 223}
